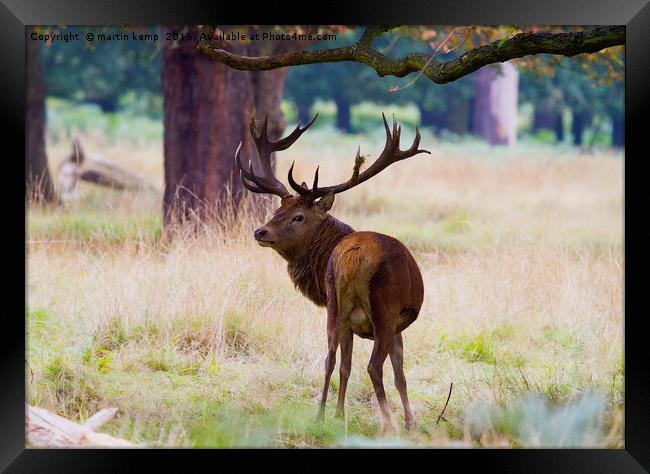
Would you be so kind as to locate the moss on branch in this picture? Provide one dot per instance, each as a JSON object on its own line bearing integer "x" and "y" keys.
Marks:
{"x": 518, "y": 46}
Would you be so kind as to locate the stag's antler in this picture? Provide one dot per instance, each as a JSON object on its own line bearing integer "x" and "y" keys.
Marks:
{"x": 267, "y": 183}
{"x": 388, "y": 156}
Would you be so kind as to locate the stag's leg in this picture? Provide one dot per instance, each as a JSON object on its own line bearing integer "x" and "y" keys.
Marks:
{"x": 333, "y": 329}
{"x": 330, "y": 362}
{"x": 346, "y": 338}
{"x": 383, "y": 342}
{"x": 397, "y": 359}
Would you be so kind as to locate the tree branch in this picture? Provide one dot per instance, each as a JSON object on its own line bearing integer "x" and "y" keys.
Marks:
{"x": 518, "y": 46}
{"x": 371, "y": 33}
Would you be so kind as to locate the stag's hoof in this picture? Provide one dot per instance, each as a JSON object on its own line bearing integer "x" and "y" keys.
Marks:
{"x": 389, "y": 429}
{"x": 340, "y": 414}
{"x": 410, "y": 424}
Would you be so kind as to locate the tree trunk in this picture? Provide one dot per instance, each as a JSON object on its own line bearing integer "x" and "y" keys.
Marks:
{"x": 618, "y": 131}
{"x": 439, "y": 122}
{"x": 579, "y": 121}
{"x": 207, "y": 108}
{"x": 548, "y": 117}
{"x": 543, "y": 118}
{"x": 559, "y": 127}
{"x": 427, "y": 117}
{"x": 495, "y": 104}
{"x": 343, "y": 121}
{"x": 39, "y": 180}
{"x": 471, "y": 127}
{"x": 303, "y": 111}
{"x": 106, "y": 105}
{"x": 457, "y": 120}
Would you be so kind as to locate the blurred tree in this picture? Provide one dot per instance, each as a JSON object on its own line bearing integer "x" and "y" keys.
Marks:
{"x": 190, "y": 150}
{"x": 303, "y": 87}
{"x": 100, "y": 72}
{"x": 590, "y": 87}
{"x": 207, "y": 111}
{"x": 495, "y": 108}
{"x": 615, "y": 106}
{"x": 575, "y": 91}
{"x": 442, "y": 107}
{"x": 336, "y": 82}
{"x": 37, "y": 171}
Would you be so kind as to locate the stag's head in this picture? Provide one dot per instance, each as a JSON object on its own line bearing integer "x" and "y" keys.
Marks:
{"x": 300, "y": 214}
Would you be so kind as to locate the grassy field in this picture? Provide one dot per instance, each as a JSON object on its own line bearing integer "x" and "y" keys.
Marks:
{"x": 205, "y": 342}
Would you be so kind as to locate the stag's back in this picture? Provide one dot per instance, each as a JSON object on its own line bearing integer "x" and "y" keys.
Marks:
{"x": 375, "y": 275}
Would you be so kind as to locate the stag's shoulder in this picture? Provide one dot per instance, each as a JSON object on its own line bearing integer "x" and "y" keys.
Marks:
{"x": 361, "y": 253}
{"x": 370, "y": 242}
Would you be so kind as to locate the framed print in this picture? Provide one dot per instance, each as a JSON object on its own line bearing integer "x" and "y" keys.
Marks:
{"x": 274, "y": 239}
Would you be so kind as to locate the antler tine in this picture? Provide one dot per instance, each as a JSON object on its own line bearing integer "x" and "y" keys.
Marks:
{"x": 248, "y": 174}
{"x": 253, "y": 178}
{"x": 416, "y": 142}
{"x": 296, "y": 187}
{"x": 268, "y": 182}
{"x": 249, "y": 186}
{"x": 315, "y": 185}
{"x": 389, "y": 137}
{"x": 245, "y": 177}
{"x": 413, "y": 149}
{"x": 262, "y": 143}
{"x": 238, "y": 161}
{"x": 260, "y": 185}
{"x": 390, "y": 154}
{"x": 289, "y": 140}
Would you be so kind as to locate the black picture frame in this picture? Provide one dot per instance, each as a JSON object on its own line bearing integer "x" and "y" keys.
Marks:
{"x": 15, "y": 15}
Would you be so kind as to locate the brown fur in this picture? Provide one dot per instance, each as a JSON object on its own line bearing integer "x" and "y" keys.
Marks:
{"x": 370, "y": 283}
{"x": 307, "y": 270}
{"x": 366, "y": 267}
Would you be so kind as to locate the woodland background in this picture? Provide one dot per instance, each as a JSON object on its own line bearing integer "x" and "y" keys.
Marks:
{"x": 151, "y": 296}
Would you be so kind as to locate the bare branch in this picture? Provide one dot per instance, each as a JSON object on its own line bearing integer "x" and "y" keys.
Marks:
{"x": 433, "y": 55}
{"x": 517, "y": 46}
{"x": 451, "y": 386}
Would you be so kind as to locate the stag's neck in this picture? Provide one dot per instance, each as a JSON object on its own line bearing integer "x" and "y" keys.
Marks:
{"x": 307, "y": 268}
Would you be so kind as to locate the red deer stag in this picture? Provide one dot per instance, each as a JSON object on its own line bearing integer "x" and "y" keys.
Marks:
{"x": 369, "y": 282}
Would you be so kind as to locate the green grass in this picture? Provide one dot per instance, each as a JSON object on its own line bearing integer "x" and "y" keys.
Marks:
{"x": 206, "y": 343}
{"x": 88, "y": 227}
{"x": 65, "y": 118}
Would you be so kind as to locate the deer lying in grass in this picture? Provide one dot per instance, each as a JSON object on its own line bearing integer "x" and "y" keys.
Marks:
{"x": 97, "y": 170}
{"x": 369, "y": 282}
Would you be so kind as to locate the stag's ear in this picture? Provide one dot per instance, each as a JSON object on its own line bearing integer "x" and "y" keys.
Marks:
{"x": 324, "y": 204}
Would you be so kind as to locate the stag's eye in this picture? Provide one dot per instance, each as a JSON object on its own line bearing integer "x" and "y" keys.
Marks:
{"x": 298, "y": 218}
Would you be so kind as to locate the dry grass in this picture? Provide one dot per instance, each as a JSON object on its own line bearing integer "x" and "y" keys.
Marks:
{"x": 206, "y": 343}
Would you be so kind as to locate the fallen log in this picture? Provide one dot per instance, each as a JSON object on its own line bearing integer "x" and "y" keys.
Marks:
{"x": 48, "y": 430}
{"x": 98, "y": 170}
